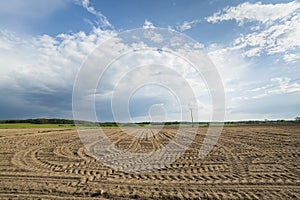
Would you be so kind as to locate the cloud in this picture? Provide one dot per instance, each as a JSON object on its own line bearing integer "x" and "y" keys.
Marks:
{"x": 267, "y": 107}
{"x": 275, "y": 86}
{"x": 291, "y": 58}
{"x": 186, "y": 25}
{"x": 278, "y": 38}
{"x": 102, "y": 20}
{"x": 149, "y": 77}
{"x": 38, "y": 72}
{"x": 253, "y": 91}
{"x": 275, "y": 28}
{"x": 150, "y": 33}
{"x": 278, "y": 85}
{"x": 273, "y": 99}
{"x": 148, "y": 24}
{"x": 252, "y": 12}
{"x": 231, "y": 65}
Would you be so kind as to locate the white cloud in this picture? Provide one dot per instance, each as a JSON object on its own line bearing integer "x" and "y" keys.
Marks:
{"x": 186, "y": 25}
{"x": 150, "y": 34}
{"x": 277, "y": 38}
{"x": 103, "y": 21}
{"x": 37, "y": 73}
{"x": 264, "y": 13}
{"x": 291, "y": 58}
{"x": 276, "y": 85}
{"x": 44, "y": 63}
{"x": 283, "y": 85}
{"x": 276, "y": 27}
{"x": 143, "y": 67}
{"x": 276, "y": 98}
{"x": 245, "y": 85}
{"x": 148, "y": 24}
{"x": 231, "y": 66}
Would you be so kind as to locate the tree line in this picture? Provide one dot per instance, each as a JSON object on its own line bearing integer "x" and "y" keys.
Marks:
{"x": 38, "y": 121}
{"x": 82, "y": 122}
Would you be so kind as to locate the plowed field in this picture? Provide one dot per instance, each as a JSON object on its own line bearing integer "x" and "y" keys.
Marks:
{"x": 248, "y": 162}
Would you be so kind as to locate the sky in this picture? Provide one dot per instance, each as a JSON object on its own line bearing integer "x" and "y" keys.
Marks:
{"x": 254, "y": 45}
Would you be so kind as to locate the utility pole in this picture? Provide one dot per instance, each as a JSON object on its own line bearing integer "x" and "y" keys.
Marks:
{"x": 191, "y": 109}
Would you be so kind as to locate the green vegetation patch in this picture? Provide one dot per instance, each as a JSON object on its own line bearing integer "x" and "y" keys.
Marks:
{"x": 29, "y": 125}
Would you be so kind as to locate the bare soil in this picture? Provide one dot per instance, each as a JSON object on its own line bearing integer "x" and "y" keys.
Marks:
{"x": 248, "y": 162}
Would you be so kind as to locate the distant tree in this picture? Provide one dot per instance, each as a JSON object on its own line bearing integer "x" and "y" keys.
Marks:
{"x": 297, "y": 119}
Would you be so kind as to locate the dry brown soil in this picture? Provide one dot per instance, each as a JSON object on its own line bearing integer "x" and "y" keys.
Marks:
{"x": 248, "y": 162}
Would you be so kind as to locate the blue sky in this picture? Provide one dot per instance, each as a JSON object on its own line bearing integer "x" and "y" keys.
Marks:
{"x": 254, "y": 45}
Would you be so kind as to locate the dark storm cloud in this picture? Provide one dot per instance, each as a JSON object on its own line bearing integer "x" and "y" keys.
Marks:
{"x": 16, "y": 104}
